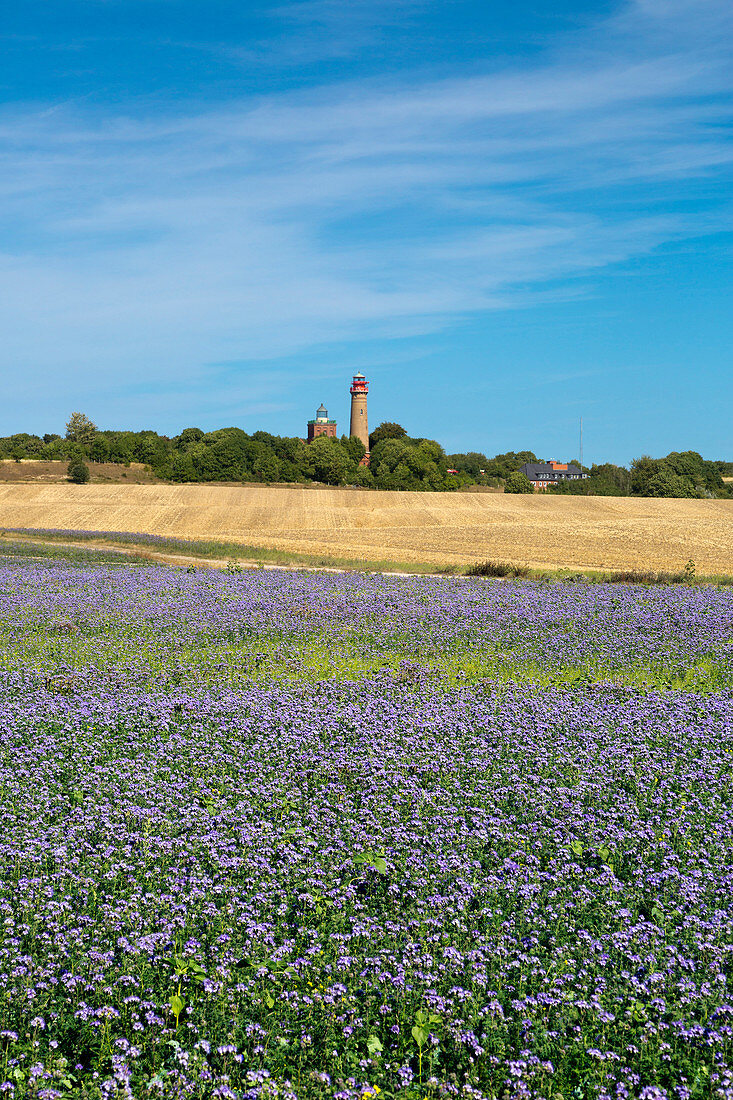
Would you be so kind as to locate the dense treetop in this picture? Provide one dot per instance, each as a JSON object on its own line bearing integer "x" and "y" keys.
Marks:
{"x": 397, "y": 461}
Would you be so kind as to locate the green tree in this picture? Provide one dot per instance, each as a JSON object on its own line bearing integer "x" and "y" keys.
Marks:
{"x": 503, "y": 465}
{"x": 386, "y": 430}
{"x": 99, "y": 449}
{"x": 389, "y": 462}
{"x": 665, "y": 483}
{"x": 471, "y": 463}
{"x": 330, "y": 462}
{"x": 353, "y": 447}
{"x": 265, "y": 464}
{"x": 80, "y": 429}
{"x": 642, "y": 471}
{"x": 55, "y": 449}
{"x": 704, "y": 476}
{"x": 363, "y": 477}
{"x": 611, "y": 480}
{"x": 517, "y": 482}
{"x": 187, "y": 438}
{"x": 78, "y": 471}
{"x": 409, "y": 464}
{"x": 183, "y": 468}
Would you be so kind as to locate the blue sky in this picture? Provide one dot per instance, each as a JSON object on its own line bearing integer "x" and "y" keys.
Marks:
{"x": 508, "y": 215}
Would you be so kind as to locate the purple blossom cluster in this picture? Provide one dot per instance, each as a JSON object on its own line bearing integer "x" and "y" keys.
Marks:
{"x": 383, "y": 884}
{"x": 119, "y": 536}
{"x": 207, "y": 622}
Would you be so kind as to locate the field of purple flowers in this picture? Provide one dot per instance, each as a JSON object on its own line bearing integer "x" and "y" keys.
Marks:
{"x": 276, "y": 835}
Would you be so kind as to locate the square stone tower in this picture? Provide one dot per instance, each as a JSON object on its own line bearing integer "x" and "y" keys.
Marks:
{"x": 321, "y": 425}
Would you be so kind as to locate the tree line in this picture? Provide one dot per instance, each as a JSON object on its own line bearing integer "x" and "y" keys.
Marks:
{"x": 397, "y": 461}
{"x": 679, "y": 474}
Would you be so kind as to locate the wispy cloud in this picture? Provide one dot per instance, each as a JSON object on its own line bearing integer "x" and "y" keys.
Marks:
{"x": 161, "y": 242}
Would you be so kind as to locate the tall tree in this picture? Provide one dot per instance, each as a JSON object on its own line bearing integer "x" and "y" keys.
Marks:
{"x": 517, "y": 482}
{"x": 80, "y": 429}
{"x": 387, "y": 430}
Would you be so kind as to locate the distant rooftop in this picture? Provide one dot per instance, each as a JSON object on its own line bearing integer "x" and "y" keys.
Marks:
{"x": 551, "y": 471}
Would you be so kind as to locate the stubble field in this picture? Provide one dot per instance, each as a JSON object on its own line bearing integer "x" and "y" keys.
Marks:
{"x": 440, "y": 528}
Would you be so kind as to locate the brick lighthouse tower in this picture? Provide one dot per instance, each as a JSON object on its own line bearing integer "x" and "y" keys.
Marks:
{"x": 359, "y": 425}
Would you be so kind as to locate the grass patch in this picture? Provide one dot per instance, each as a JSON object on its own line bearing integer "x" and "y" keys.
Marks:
{"x": 242, "y": 556}
{"x": 233, "y": 553}
{"x": 15, "y": 549}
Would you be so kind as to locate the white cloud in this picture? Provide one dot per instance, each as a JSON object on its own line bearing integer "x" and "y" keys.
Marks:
{"x": 157, "y": 244}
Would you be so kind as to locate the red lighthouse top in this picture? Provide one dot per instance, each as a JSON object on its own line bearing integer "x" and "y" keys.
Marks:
{"x": 359, "y": 384}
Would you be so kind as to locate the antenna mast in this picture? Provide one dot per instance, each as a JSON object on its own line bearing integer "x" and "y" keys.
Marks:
{"x": 581, "y": 444}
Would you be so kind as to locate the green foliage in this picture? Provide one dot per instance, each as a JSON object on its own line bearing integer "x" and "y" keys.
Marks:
{"x": 329, "y": 461}
{"x": 680, "y": 474}
{"x": 517, "y": 482}
{"x": 472, "y": 463}
{"x": 409, "y": 464}
{"x": 606, "y": 480}
{"x": 353, "y": 447}
{"x": 667, "y": 484}
{"x": 230, "y": 454}
{"x": 386, "y": 430}
{"x": 496, "y": 569}
{"x": 372, "y": 859}
{"x": 99, "y": 449}
{"x": 80, "y": 429}
{"x": 187, "y": 439}
{"x": 503, "y": 465}
{"x": 363, "y": 478}
{"x": 78, "y": 471}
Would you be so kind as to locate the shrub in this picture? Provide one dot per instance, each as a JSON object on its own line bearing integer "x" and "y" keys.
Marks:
{"x": 518, "y": 482}
{"x": 643, "y": 576}
{"x": 78, "y": 471}
{"x": 496, "y": 569}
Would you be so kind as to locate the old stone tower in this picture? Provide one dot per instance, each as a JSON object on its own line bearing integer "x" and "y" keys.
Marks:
{"x": 359, "y": 424}
{"x": 321, "y": 425}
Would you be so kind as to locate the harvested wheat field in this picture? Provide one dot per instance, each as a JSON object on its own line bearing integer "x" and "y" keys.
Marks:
{"x": 440, "y": 528}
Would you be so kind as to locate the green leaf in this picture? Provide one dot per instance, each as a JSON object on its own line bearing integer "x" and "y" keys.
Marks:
{"x": 604, "y": 853}
{"x": 420, "y": 1035}
{"x": 374, "y": 1046}
{"x": 177, "y": 1004}
{"x": 379, "y": 864}
{"x": 269, "y": 1001}
{"x": 577, "y": 848}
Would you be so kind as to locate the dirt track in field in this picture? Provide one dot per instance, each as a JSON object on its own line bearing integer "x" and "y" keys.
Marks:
{"x": 440, "y": 528}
